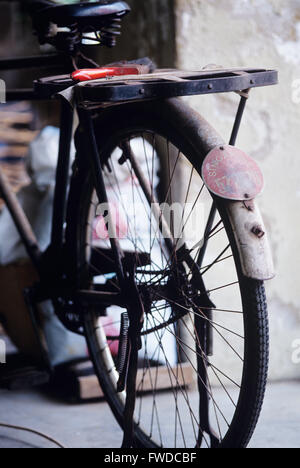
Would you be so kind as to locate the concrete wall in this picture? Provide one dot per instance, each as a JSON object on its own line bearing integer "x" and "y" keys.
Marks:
{"x": 260, "y": 33}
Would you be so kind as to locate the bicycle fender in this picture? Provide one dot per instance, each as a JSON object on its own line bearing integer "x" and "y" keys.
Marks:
{"x": 251, "y": 239}
{"x": 235, "y": 177}
{"x": 243, "y": 215}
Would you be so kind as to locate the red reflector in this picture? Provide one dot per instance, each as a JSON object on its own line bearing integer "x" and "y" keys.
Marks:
{"x": 97, "y": 73}
{"x": 230, "y": 173}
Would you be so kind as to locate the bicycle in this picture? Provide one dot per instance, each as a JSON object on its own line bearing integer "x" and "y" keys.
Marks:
{"x": 190, "y": 312}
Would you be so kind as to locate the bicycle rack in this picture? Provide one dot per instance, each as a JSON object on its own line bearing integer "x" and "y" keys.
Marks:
{"x": 159, "y": 85}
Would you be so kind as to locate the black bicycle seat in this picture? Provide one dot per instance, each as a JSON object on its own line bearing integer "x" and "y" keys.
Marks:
{"x": 98, "y": 17}
{"x": 84, "y": 13}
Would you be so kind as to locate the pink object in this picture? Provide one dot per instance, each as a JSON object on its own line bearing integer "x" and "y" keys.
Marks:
{"x": 111, "y": 331}
{"x": 230, "y": 173}
{"x": 120, "y": 227}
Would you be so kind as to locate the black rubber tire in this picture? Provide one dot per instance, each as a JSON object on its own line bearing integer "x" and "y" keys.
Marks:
{"x": 187, "y": 130}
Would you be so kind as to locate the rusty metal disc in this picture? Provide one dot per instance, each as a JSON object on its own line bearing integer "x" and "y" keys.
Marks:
{"x": 230, "y": 173}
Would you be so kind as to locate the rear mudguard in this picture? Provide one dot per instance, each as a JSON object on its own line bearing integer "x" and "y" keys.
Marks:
{"x": 251, "y": 239}
{"x": 233, "y": 176}
{"x": 244, "y": 216}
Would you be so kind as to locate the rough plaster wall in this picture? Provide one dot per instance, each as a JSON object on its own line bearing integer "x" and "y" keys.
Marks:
{"x": 259, "y": 33}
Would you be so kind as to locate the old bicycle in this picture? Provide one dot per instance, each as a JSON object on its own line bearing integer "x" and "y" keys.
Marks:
{"x": 184, "y": 291}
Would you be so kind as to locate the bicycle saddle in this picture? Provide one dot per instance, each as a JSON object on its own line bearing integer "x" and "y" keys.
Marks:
{"x": 84, "y": 13}
{"x": 102, "y": 17}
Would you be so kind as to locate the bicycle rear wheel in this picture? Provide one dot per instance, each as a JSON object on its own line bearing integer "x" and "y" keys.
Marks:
{"x": 204, "y": 358}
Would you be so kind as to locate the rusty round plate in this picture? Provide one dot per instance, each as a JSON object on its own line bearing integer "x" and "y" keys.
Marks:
{"x": 230, "y": 173}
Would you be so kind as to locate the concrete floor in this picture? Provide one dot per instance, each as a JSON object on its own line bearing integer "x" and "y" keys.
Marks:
{"x": 91, "y": 425}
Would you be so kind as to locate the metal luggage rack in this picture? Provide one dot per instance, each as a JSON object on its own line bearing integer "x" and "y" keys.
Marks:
{"x": 159, "y": 85}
